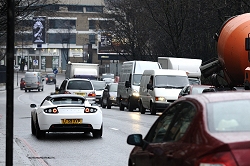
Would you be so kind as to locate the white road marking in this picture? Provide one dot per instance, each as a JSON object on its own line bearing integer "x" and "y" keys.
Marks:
{"x": 114, "y": 129}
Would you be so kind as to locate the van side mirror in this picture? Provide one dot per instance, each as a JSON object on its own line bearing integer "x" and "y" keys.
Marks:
{"x": 149, "y": 86}
{"x": 127, "y": 84}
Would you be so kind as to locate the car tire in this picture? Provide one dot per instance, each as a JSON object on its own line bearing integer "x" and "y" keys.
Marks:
{"x": 39, "y": 133}
{"x": 38, "y": 89}
{"x": 97, "y": 133}
{"x": 25, "y": 90}
{"x": 33, "y": 128}
{"x": 142, "y": 109}
{"x": 121, "y": 106}
{"x": 130, "y": 107}
{"x": 152, "y": 109}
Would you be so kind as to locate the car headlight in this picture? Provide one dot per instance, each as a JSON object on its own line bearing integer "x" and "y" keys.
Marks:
{"x": 135, "y": 93}
{"x": 112, "y": 98}
{"x": 160, "y": 99}
{"x": 89, "y": 110}
{"x": 51, "y": 110}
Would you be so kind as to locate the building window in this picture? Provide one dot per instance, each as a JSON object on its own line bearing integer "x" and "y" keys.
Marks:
{"x": 94, "y": 9}
{"x": 92, "y": 39}
{"x": 92, "y": 24}
{"x": 24, "y": 37}
{"x": 62, "y": 24}
{"x": 51, "y": 7}
{"x": 57, "y": 38}
{"x": 74, "y": 8}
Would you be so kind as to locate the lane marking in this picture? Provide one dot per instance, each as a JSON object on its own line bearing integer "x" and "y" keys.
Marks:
{"x": 114, "y": 129}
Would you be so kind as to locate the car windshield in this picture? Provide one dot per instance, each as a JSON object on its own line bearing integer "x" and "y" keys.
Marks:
{"x": 79, "y": 85}
{"x": 99, "y": 85}
{"x": 67, "y": 100}
{"x": 113, "y": 88}
{"x": 137, "y": 79}
{"x": 229, "y": 116}
{"x": 171, "y": 81}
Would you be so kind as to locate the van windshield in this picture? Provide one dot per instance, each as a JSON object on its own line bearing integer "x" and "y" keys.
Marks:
{"x": 137, "y": 79}
{"x": 171, "y": 81}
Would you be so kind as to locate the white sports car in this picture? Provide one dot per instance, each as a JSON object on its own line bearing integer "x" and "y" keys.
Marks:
{"x": 66, "y": 113}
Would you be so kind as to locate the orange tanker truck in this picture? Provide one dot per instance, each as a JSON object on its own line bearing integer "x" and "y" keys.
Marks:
{"x": 233, "y": 48}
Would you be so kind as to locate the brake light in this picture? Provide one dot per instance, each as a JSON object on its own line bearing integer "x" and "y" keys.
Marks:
{"x": 46, "y": 79}
{"x": 67, "y": 92}
{"x": 51, "y": 110}
{"x": 218, "y": 159}
{"x": 91, "y": 94}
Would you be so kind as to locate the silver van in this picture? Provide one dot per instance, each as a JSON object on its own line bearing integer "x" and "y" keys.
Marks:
{"x": 33, "y": 80}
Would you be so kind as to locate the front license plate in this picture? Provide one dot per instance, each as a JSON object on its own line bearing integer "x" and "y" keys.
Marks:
{"x": 82, "y": 94}
{"x": 71, "y": 121}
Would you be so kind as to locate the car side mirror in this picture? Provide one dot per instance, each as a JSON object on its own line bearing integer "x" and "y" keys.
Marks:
{"x": 32, "y": 105}
{"x": 136, "y": 139}
{"x": 57, "y": 89}
{"x": 127, "y": 84}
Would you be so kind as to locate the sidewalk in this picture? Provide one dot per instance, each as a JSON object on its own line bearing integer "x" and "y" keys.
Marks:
{"x": 19, "y": 157}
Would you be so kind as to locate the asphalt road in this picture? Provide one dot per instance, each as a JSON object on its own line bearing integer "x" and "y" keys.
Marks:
{"x": 75, "y": 148}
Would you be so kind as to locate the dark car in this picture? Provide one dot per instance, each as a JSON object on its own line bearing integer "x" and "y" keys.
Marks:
{"x": 22, "y": 83}
{"x": 109, "y": 95}
{"x": 204, "y": 129}
{"x": 196, "y": 89}
{"x": 50, "y": 78}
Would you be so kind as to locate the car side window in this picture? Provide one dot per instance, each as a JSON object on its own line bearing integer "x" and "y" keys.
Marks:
{"x": 180, "y": 124}
{"x": 173, "y": 124}
{"x": 159, "y": 129}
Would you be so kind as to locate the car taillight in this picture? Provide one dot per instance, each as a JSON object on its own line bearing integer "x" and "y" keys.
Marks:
{"x": 90, "y": 110}
{"x": 67, "y": 92}
{"x": 46, "y": 79}
{"x": 92, "y": 94}
{"x": 218, "y": 159}
{"x": 51, "y": 110}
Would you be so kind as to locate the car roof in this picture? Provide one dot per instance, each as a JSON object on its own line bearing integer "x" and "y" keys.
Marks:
{"x": 218, "y": 96}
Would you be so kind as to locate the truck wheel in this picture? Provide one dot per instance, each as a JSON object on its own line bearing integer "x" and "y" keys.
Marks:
{"x": 121, "y": 106}
{"x": 142, "y": 109}
{"x": 152, "y": 109}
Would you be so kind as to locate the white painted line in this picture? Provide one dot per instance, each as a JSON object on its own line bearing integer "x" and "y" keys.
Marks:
{"x": 20, "y": 99}
{"x": 114, "y": 129}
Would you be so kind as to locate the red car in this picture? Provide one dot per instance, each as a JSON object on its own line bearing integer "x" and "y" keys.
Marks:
{"x": 206, "y": 129}
{"x": 22, "y": 84}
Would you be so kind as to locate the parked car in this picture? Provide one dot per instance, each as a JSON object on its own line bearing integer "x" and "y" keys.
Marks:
{"x": 99, "y": 87}
{"x": 203, "y": 129}
{"x": 22, "y": 83}
{"x": 195, "y": 89}
{"x": 78, "y": 86}
{"x": 50, "y": 78}
{"x": 109, "y": 96}
{"x": 65, "y": 113}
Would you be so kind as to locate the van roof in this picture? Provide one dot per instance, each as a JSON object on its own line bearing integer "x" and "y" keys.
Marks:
{"x": 164, "y": 72}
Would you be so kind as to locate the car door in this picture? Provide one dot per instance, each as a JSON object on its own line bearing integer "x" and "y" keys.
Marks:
{"x": 165, "y": 146}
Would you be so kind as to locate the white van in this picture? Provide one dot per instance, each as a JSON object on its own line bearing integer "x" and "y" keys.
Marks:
{"x": 33, "y": 80}
{"x": 159, "y": 88}
{"x": 129, "y": 82}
